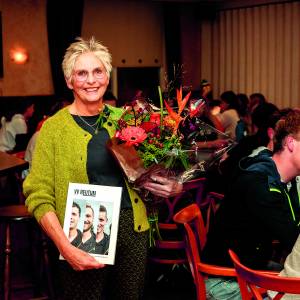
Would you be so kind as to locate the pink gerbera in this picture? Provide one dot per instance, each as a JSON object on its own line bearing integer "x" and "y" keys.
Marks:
{"x": 133, "y": 135}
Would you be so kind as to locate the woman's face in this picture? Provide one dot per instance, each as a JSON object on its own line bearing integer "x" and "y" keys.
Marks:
{"x": 89, "y": 79}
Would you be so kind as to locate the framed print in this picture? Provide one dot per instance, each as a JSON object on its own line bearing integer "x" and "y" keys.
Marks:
{"x": 92, "y": 219}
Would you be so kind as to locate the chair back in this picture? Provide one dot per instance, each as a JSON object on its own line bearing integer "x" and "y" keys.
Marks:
{"x": 197, "y": 185}
{"x": 254, "y": 284}
{"x": 195, "y": 239}
{"x": 171, "y": 238}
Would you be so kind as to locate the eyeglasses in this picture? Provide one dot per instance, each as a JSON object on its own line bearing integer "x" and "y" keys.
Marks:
{"x": 82, "y": 75}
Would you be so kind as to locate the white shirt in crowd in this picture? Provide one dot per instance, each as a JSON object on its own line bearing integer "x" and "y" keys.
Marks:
{"x": 9, "y": 130}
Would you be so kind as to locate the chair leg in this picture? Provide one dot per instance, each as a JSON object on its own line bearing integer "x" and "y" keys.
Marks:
{"x": 7, "y": 263}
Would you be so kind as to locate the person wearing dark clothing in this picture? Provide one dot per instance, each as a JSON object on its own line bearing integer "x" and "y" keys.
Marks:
{"x": 257, "y": 210}
{"x": 264, "y": 117}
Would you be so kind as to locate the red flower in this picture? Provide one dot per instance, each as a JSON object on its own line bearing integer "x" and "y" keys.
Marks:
{"x": 155, "y": 118}
{"x": 133, "y": 135}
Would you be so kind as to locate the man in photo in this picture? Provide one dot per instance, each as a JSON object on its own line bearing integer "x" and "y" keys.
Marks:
{"x": 102, "y": 239}
{"x": 75, "y": 235}
{"x": 88, "y": 236}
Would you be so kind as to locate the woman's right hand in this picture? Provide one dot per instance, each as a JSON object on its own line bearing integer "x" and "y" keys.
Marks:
{"x": 80, "y": 260}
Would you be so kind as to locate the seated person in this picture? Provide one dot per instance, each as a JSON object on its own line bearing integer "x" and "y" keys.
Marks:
{"x": 258, "y": 208}
{"x": 16, "y": 128}
{"x": 229, "y": 116}
{"x": 264, "y": 119}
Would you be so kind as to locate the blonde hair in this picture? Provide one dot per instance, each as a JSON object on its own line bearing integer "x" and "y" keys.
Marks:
{"x": 82, "y": 46}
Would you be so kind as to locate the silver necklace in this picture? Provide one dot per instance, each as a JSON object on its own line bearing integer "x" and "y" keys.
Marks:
{"x": 90, "y": 125}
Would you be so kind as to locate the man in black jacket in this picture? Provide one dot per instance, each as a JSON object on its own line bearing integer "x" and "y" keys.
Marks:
{"x": 258, "y": 207}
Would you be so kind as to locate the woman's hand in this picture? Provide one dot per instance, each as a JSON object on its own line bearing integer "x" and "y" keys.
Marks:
{"x": 163, "y": 187}
{"x": 80, "y": 260}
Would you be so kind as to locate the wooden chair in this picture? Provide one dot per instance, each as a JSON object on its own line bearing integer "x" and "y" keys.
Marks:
{"x": 254, "y": 284}
{"x": 210, "y": 206}
{"x": 171, "y": 248}
{"x": 195, "y": 239}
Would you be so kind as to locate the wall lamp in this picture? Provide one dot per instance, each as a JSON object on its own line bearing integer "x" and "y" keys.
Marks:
{"x": 19, "y": 55}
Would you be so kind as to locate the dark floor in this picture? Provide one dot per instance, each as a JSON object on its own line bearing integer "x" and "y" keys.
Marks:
{"x": 163, "y": 282}
{"x": 171, "y": 284}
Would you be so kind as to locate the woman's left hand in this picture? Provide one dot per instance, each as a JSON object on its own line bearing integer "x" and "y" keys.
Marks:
{"x": 163, "y": 187}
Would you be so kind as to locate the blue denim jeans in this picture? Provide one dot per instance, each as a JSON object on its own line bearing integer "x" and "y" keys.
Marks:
{"x": 222, "y": 288}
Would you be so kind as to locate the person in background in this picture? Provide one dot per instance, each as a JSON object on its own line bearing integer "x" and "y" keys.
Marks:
{"x": 262, "y": 119}
{"x": 258, "y": 208}
{"x": 71, "y": 147}
{"x": 16, "y": 128}
{"x": 109, "y": 98}
{"x": 31, "y": 144}
{"x": 255, "y": 100}
{"x": 244, "y": 124}
{"x": 229, "y": 116}
{"x": 75, "y": 235}
{"x": 206, "y": 92}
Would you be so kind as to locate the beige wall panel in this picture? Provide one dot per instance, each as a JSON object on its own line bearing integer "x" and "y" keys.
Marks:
{"x": 242, "y": 50}
{"x": 206, "y": 51}
{"x": 216, "y": 58}
{"x": 228, "y": 49}
{"x": 270, "y": 93}
{"x": 257, "y": 49}
{"x": 235, "y": 51}
{"x": 285, "y": 81}
{"x": 24, "y": 25}
{"x": 249, "y": 50}
{"x": 132, "y": 30}
{"x": 294, "y": 101}
{"x": 279, "y": 52}
{"x": 264, "y": 49}
{"x": 222, "y": 56}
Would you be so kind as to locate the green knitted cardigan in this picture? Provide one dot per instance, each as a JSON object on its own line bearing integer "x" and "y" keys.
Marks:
{"x": 60, "y": 157}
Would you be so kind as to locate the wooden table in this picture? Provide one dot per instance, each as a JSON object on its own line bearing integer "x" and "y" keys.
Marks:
{"x": 11, "y": 164}
{"x": 11, "y": 167}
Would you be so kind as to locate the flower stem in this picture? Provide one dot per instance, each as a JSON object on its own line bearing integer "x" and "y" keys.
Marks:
{"x": 161, "y": 107}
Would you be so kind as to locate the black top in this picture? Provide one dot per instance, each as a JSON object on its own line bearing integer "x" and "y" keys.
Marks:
{"x": 89, "y": 245}
{"x": 102, "y": 168}
{"x": 76, "y": 242}
{"x": 102, "y": 246}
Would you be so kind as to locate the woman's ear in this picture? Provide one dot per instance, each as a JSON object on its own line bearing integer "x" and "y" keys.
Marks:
{"x": 69, "y": 83}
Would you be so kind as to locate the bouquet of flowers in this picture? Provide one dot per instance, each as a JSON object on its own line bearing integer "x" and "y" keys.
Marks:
{"x": 164, "y": 141}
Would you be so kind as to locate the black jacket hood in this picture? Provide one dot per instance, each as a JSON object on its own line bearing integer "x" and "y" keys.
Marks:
{"x": 261, "y": 163}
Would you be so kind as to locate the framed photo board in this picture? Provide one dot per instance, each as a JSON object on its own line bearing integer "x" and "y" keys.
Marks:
{"x": 92, "y": 219}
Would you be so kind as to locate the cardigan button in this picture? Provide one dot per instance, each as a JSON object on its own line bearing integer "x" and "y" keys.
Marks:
{"x": 139, "y": 227}
{"x": 136, "y": 200}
